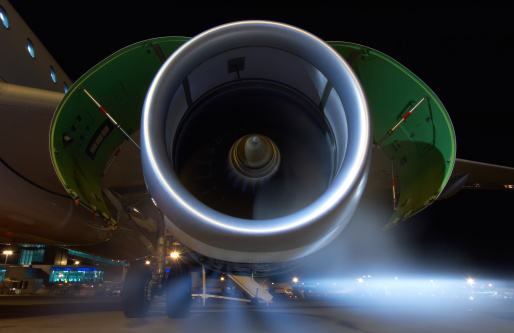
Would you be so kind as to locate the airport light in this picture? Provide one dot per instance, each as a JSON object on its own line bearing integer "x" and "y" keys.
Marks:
{"x": 7, "y": 253}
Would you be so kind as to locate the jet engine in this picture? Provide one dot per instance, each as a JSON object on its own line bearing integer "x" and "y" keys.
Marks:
{"x": 255, "y": 142}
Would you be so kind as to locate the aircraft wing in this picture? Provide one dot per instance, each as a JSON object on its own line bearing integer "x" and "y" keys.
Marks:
{"x": 477, "y": 175}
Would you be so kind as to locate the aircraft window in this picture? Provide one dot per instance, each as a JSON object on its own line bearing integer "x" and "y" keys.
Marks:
{"x": 4, "y": 18}
{"x": 52, "y": 74}
{"x": 30, "y": 48}
{"x": 65, "y": 87}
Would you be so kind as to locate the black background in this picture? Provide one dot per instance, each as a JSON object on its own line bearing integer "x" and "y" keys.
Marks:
{"x": 462, "y": 50}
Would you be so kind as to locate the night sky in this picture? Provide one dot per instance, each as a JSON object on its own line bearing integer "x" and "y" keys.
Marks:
{"x": 462, "y": 51}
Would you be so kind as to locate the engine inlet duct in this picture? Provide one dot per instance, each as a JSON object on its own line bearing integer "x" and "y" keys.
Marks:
{"x": 255, "y": 142}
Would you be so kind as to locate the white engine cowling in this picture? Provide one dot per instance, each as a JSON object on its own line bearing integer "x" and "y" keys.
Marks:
{"x": 255, "y": 142}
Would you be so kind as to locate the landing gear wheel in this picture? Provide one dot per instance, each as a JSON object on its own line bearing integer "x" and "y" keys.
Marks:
{"x": 137, "y": 292}
{"x": 178, "y": 291}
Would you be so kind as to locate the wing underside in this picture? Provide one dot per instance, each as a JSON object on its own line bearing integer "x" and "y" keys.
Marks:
{"x": 477, "y": 175}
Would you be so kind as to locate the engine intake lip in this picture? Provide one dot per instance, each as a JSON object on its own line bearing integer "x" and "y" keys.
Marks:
{"x": 207, "y": 230}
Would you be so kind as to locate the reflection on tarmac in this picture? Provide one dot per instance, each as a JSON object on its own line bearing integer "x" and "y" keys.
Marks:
{"x": 314, "y": 315}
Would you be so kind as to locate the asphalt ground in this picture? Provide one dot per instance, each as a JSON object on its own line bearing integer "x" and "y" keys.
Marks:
{"x": 314, "y": 315}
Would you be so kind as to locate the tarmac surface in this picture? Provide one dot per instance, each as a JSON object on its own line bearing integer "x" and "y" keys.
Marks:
{"x": 314, "y": 315}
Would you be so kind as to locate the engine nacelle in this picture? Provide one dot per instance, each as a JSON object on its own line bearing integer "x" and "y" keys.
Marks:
{"x": 255, "y": 142}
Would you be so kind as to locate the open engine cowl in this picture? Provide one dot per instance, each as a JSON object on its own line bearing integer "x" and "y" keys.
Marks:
{"x": 255, "y": 142}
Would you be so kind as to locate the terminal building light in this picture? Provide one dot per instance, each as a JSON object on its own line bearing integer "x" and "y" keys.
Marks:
{"x": 76, "y": 274}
